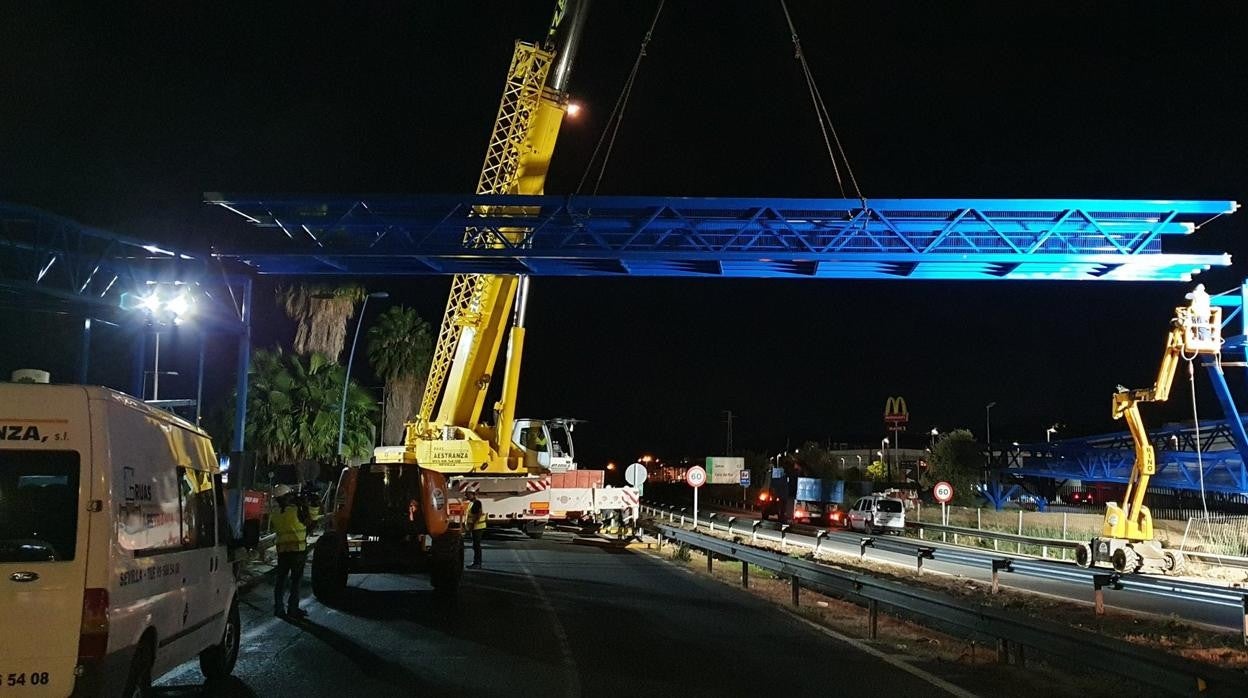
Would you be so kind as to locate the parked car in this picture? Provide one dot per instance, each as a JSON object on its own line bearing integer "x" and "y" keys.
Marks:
{"x": 875, "y": 514}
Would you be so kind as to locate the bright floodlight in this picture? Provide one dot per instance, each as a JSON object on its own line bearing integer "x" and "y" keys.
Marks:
{"x": 151, "y": 303}
{"x": 180, "y": 305}
{"x": 574, "y": 109}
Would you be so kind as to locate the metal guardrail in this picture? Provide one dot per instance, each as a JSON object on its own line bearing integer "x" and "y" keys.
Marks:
{"x": 1141, "y": 664}
{"x": 1214, "y": 558}
{"x": 1097, "y": 578}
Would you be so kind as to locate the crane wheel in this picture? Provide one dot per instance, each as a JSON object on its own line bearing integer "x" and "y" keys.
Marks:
{"x": 446, "y": 565}
{"x": 329, "y": 568}
{"x": 1126, "y": 560}
{"x": 1173, "y": 562}
{"x": 1083, "y": 555}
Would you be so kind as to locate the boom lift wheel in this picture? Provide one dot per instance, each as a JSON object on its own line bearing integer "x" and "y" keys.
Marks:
{"x": 1126, "y": 560}
{"x": 1173, "y": 562}
{"x": 329, "y": 567}
{"x": 1083, "y": 555}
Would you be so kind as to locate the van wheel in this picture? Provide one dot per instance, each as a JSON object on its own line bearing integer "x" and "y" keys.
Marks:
{"x": 535, "y": 532}
{"x": 217, "y": 662}
{"x": 446, "y": 565}
{"x": 329, "y": 568}
{"x": 139, "y": 683}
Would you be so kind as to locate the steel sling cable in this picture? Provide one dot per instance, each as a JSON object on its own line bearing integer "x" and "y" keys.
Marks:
{"x": 821, "y": 113}
{"x": 617, "y": 113}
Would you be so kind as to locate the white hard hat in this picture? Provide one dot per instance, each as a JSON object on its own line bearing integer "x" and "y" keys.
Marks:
{"x": 281, "y": 490}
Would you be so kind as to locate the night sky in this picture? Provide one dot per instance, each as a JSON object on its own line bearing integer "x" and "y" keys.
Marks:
{"x": 121, "y": 116}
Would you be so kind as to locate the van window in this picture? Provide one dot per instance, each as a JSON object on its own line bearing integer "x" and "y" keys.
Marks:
{"x": 199, "y": 517}
{"x": 38, "y": 505}
{"x": 892, "y": 506}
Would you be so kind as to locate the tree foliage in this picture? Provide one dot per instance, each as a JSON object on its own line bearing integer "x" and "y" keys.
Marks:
{"x": 958, "y": 460}
{"x": 293, "y": 406}
{"x": 877, "y": 471}
{"x": 400, "y": 347}
{"x": 320, "y": 312}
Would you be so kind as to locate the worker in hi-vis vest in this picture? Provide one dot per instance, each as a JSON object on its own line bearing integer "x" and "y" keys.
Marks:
{"x": 475, "y": 521}
{"x": 290, "y": 522}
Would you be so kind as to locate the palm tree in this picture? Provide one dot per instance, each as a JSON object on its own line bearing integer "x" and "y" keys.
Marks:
{"x": 320, "y": 313}
{"x": 400, "y": 347}
{"x": 292, "y": 409}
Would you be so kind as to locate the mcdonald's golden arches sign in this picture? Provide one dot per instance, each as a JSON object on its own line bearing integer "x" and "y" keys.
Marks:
{"x": 896, "y": 414}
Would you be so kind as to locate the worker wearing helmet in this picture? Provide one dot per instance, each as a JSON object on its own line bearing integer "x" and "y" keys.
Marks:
{"x": 476, "y": 527}
{"x": 290, "y": 522}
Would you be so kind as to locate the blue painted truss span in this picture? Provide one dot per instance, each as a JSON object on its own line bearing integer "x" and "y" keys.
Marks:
{"x": 990, "y": 239}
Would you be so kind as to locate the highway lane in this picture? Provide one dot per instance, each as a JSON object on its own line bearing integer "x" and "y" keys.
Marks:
{"x": 550, "y": 617}
{"x": 1077, "y": 589}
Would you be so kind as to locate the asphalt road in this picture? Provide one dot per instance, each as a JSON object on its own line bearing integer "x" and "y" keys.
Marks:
{"x": 546, "y": 618}
{"x": 1077, "y": 584}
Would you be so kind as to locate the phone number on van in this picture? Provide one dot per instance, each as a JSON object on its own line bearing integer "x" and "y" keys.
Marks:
{"x": 154, "y": 572}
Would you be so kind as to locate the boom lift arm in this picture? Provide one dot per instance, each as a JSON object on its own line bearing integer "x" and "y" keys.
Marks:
{"x": 1127, "y": 534}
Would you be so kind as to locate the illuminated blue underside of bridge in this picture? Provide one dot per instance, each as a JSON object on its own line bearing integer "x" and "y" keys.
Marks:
{"x": 935, "y": 239}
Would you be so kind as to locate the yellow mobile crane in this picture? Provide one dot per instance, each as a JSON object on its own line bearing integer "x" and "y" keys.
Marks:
{"x": 503, "y": 461}
{"x": 1126, "y": 539}
{"x": 394, "y": 514}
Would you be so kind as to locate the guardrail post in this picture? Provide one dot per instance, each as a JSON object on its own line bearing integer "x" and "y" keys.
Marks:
{"x": 863, "y": 544}
{"x": 797, "y": 587}
{"x": 710, "y": 558}
{"x": 754, "y": 532}
{"x": 682, "y": 517}
{"x": 784, "y": 528}
{"x": 660, "y": 540}
{"x": 873, "y": 619}
{"x": 1099, "y": 582}
{"x": 1245, "y": 606}
{"x": 730, "y": 520}
{"x": 921, "y": 554}
{"x": 998, "y": 565}
{"x": 819, "y": 536}
{"x": 1003, "y": 651}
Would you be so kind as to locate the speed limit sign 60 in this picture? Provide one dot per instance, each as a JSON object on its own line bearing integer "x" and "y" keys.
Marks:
{"x": 696, "y": 476}
{"x": 943, "y": 492}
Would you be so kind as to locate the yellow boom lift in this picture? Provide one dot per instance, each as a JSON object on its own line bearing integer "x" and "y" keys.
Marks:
{"x": 1126, "y": 539}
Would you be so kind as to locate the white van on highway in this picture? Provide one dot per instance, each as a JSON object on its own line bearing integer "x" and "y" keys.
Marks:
{"x": 113, "y": 559}
{"x": 874, "y": 513}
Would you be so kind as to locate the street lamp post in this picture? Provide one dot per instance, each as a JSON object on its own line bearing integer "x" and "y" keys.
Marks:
{"x": 1048, "y": 434}
{"x": 346, "y": 382}
{"x": 888, "y": 467}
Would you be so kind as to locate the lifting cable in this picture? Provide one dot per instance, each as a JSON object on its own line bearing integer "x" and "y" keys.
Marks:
{"x": 1200, "y": 464}
{"x": 617, "y": 113}
{"x": 821, "y": 113}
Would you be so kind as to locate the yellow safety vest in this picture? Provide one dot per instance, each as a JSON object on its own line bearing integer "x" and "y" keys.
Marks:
{"x": 476, "y": 521}
{"x": 292, "y": 534}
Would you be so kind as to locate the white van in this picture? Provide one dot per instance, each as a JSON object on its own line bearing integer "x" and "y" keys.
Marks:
{"x": 112, "y": 571}
{"x": 875, "y": 513}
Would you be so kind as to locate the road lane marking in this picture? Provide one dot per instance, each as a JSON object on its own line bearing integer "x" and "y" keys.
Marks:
{"x": 572, "y": 688}
{"x": 900, "y": 664}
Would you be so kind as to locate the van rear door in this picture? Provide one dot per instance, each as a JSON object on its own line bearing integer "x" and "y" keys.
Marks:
{"x": 43, "y": 534}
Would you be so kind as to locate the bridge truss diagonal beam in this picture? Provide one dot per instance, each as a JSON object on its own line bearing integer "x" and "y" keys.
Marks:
{"x": 965, "y": 239}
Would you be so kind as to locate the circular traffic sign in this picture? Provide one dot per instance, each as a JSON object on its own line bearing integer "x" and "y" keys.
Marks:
{"x": 636, "y": 474}
{"x": 696, "y": 476}
{"x": 943, "y": 492}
